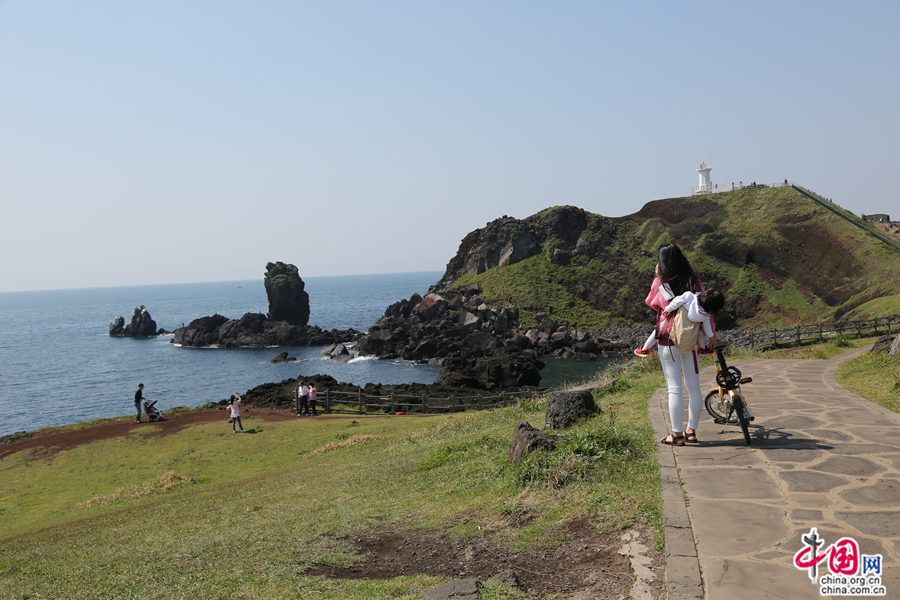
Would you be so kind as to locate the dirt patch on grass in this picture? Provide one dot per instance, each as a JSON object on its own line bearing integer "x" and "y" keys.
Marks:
{"x": 57, "y": 440}
{"x": 52, "y": 441}
{"x": 586, "y": 560}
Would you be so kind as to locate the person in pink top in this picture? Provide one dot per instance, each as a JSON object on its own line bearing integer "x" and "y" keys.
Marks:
{"x": 234, "y": 407}
{"x": 674, "y": 277}
{"x": 313, "y": 396}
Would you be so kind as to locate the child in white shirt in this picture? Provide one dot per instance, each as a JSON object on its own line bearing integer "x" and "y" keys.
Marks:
{"x": 234, "y": 407}
{"x": 700, "y": 308}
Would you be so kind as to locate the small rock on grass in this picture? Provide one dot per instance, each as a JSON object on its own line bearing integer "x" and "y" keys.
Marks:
{"x": 509, "y": 578}
{"x": 460, "y": 589}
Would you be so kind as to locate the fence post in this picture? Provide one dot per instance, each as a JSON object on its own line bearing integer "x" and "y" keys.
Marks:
{"x": 858, "y": 328}
{"x": 751, "y": 339}
{"x": 775, "y": 337}
{"x": 798, "y": 335}
{"x": 820, "y": 333}
{"x": 889, "y": 325}
{"x": 424, "y": 405}
{"x": 327, "y": 402}
{"x": 359, "y": 399}
{"x": 876, "y": 325}
{"x": 393, "y": 410}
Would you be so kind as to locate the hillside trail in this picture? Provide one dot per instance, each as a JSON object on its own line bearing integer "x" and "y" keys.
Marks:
{"x": 821, "y": 457}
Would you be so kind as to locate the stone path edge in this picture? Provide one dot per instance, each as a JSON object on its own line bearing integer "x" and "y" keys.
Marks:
{"x": 683, "y": 578}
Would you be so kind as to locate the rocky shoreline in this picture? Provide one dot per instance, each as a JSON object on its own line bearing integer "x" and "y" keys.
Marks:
{"x": 283, "y": 394}
{"x": 256, "y": 330}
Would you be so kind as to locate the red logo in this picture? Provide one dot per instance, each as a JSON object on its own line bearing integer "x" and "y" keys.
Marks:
{"x": 842, "y": 556}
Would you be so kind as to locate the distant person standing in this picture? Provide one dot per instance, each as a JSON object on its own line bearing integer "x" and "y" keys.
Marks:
{"x": 312, "y": 399}
{"x": 138, "y": 398}
{"x": 234, "y": 406}
{"x": 303, "y": 400}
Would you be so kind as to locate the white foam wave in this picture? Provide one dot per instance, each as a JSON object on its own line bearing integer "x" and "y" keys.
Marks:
{"x": 361, "y": 358}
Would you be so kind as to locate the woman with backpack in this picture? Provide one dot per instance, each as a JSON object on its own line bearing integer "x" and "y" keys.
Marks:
{"x": 674, "y": 277}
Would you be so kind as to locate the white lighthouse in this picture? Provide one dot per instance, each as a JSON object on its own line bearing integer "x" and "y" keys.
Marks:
{"x": 705, "y": 184}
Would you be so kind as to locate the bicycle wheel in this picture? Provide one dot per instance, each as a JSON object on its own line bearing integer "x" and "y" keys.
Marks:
{"x": 715, "y": 409}
{"x": 742, "y": 419}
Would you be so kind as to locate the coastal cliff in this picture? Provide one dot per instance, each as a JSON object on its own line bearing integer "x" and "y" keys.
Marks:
{"x": 777, "y": 256}
{"x": 569, "y": 283}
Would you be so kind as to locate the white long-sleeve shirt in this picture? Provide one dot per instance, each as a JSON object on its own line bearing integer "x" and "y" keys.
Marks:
{"x": 696, "y": 314}
{"x": 235, "y": 407}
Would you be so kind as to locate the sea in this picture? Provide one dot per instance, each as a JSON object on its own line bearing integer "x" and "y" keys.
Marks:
{"x": 58, "y": 364}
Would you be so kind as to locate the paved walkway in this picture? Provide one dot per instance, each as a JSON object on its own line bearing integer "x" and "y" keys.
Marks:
{"x": 821, "y": 457}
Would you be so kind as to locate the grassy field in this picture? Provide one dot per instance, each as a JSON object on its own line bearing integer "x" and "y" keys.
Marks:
{"x": 206, "y": 514}
{"x": 875, "y": 376}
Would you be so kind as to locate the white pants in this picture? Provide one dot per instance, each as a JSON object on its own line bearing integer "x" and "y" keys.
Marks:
{"x": 677, "y": 365}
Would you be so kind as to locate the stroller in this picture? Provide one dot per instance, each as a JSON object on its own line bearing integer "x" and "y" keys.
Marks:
{"x": 153, "y": 413}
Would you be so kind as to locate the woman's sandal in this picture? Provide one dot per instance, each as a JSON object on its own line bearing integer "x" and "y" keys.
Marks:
{"x": 673, "y": 440}
{"x": 690, "y": 437}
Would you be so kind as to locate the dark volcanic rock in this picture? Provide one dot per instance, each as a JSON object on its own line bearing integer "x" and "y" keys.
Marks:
{"x": 528, "y": 439}
{"x": 566, "y": 407}
{"x": 507, "y": 241}
{"x": 141, "y": 325}
{"x": 287, "y": 299}
{"x": 286, "y": 324}
{"x": 254, "y": 330}
{"x": 337, "y": 352}
{"x": 882, "y": 344}
{"x": 489, "y": 367}
{"x": 434, "y": 327}
{"x": 406, "y": 397}
{"x": 117, "y": 327}
{"x": 283, "y": 357}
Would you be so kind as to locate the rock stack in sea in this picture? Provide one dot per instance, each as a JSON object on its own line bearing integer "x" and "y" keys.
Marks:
{"x": 285, "y": 291}
{"x": 285, "y": 325}
{"x": 141, "y": 325}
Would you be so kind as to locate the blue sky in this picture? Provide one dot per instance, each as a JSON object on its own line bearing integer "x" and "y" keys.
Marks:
{"x": 171, "y": 142}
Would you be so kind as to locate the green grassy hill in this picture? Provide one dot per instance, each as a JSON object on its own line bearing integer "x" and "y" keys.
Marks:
{"x": 777, "y": 255}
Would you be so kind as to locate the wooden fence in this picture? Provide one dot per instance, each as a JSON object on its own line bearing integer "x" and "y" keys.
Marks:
{"x": 798, "y": 334}
{"x": 360, "y": 403}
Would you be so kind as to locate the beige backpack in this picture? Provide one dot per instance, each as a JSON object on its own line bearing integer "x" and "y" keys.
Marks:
{"x": 684, "y": 332}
